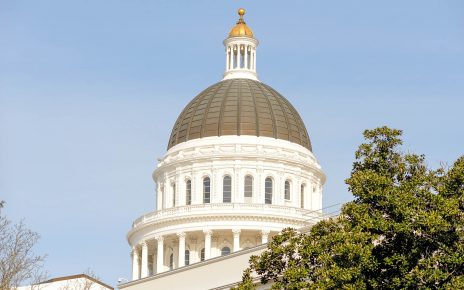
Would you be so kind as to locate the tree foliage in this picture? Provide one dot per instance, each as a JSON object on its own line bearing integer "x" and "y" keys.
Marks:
{"x": 403, "y": 230}
{"x": 18, "y": 262}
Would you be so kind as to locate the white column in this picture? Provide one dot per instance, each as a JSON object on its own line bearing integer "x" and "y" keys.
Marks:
{"x": 245, "y": 56}
{"x": 229, "y": 55}
{"x": 144, "y": 270}
{"x": 160, "y": 255}
{"x": 264, "y": 236}
{"x": 254, "y": 59}
{"x": 234, "y": 59}
{"x": 158, "y": 197}
{"x": 194, "y": 253}
{"x": 239, "y": 56}
{"x": 135, "y": 264}
{"x": 181, "y": 236}
{"x": 237, "y": 188}
{"x": 154, "y": 264}
{"x": 236, "y": 233}
{"x": 227, "y": 58}
{"x": 208, "y": 234}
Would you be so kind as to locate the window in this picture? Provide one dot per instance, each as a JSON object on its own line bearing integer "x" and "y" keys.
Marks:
{"x": 188, "y": 192}
{"x": 302, "y": 195}
{"x": 202, "y": 254}
{"x": 225, "y": 251}
{"x": 171, "y": 261}
{"x": 287, "y": 190}
{"x": 187, "y": 257}
{"x": 227, "y": 189}
{"x": 206, "y": 190}
{"x": 248, "y": 188}
{"x": 173, "y": 194}
{"x": 268, "y": 191}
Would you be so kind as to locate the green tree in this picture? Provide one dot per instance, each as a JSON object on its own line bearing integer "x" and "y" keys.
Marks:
{"x": 403, "y": 230}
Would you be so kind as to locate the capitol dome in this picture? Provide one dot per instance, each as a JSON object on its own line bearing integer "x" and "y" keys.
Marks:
{"x": 239, "y": 168}
{"x": 240, "y": 107}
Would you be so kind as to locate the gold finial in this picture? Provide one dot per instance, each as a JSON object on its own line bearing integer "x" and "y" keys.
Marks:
{"x": 241, "y": 29}
{"x": 241, "y": 12}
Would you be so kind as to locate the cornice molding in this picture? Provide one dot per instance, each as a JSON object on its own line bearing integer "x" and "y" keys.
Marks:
{"x": 230, "y": 148}
{"x": 209, "y": 213}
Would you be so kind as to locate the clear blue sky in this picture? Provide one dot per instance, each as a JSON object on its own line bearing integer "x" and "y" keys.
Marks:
{"x": 89, "y": 91}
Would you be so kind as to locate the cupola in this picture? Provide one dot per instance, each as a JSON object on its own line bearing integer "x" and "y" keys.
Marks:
{"x": 240, "y": 51}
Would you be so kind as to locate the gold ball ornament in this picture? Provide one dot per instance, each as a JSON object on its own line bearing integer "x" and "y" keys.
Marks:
{"x": 241, "y": 11}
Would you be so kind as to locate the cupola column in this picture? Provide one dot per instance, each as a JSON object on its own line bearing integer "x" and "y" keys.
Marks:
{"x": 227, "y": 57}
{"x": 234, "y": 57}
{"x": 246, "y": 57}
{"x": 254, "y": 59}
{"x": 231, "y": 58}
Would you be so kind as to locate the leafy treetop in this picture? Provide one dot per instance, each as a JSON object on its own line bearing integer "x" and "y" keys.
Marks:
{"x": 403, "y": 230}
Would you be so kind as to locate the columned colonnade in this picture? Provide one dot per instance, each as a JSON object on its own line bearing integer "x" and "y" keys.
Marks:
{"x": 240, "y": 56}
{"x": 157, "y": 255}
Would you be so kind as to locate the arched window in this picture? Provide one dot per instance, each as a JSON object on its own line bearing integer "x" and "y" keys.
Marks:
{"x": 188, "y": 192}
{"x": 248, "y": 188}
{"x": 227, "y": 189}
{"x": 225, "y": 251}
{"x": 302, "y": 195}
{"x": 202, "y": 254}
{"x": 171, "y": 261}
{"x": 187, "y": 257}
{"x": 268, "y": 191}
{"x": 206, "y": 190}
{"x": 287, "y": 190}
{"x": 173, "y": 194}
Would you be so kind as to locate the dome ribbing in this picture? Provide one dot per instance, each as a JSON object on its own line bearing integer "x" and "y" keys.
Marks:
{"x": 239, "y": 107}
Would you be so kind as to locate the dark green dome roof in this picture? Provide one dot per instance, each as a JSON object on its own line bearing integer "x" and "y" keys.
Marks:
{"x": 240, "y": 107}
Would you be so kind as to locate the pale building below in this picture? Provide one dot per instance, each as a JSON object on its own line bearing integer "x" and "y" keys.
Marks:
{"x": 75, "y": 282}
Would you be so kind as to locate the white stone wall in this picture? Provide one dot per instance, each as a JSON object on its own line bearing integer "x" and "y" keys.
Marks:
{"x": 238, "y": 156}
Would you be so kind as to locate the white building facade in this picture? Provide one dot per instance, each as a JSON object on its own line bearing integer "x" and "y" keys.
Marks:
{"x": 239, "y": 168}
{"x": 74, "y": 282}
